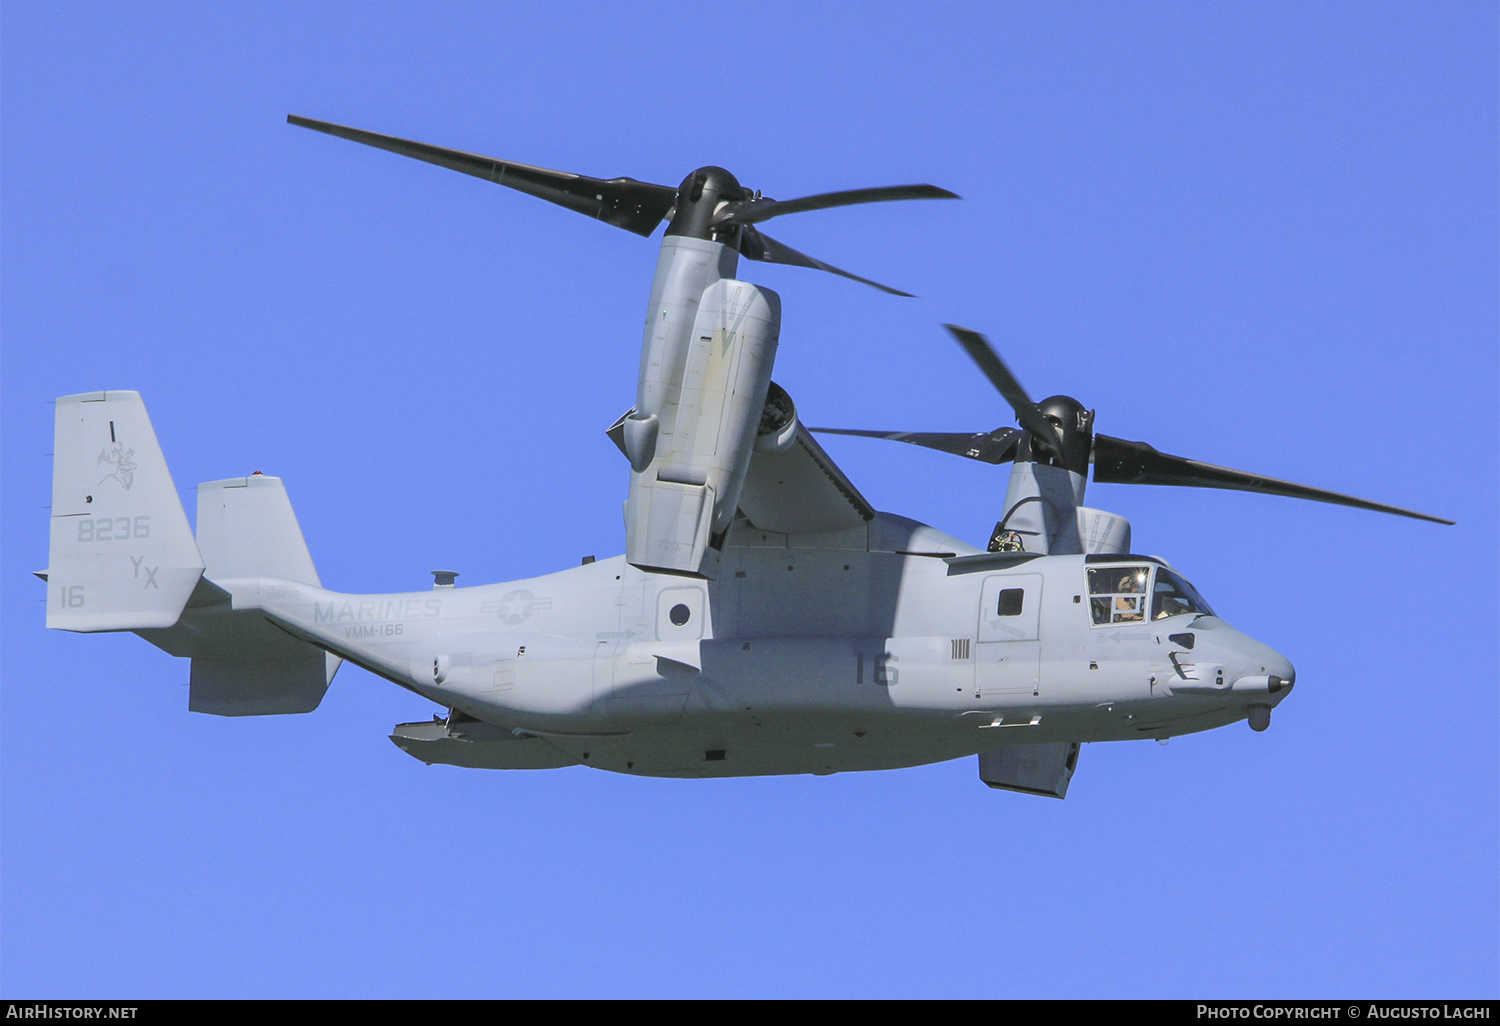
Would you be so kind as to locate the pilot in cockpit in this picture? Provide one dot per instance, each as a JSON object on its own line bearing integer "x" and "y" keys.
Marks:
{"x": 1171, "y": 600}
{"x": 1129, "y": 609}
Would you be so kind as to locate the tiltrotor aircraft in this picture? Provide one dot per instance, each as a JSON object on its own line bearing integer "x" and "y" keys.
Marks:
{"x": 764, "y": 617}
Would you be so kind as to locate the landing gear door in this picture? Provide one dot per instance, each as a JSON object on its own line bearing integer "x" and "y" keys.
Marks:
{"x": 1007, "y": 659}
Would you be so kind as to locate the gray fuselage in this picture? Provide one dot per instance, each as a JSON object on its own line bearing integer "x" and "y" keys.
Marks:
{"x": 872, "y": 649}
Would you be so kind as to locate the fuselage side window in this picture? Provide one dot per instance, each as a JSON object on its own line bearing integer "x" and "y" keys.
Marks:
{"x": 1011, "y": 600}
{"x": 1173, "y": 596}
{"x": 1117, "y": 594}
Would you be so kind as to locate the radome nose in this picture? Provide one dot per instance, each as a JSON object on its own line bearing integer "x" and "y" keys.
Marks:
{"x": 1258, "y": 666}
{"x": 1281, "y": 669}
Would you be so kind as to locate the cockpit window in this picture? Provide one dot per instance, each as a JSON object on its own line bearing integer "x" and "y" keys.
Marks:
{"x": 1118, "y": 594}
{"x": 1173, "y": 596}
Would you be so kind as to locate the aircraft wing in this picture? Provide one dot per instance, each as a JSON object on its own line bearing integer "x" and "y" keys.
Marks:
{"x": 800, "y": 490}
{"x": 797, "y": 489}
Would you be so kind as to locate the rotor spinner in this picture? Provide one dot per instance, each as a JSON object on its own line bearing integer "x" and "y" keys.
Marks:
{"x": 1074, "y": 443}
{"x": 699, "y": 199}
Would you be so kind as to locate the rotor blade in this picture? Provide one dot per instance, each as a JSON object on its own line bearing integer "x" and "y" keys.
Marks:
{"x": 623, "y": 202}
{"x": 757, "y": 245}
{"x": 1027, "y": 412}
{"x": 998, "y": 446}
{"x": 1117, "y": 461}
{"x": 755, "y": 211}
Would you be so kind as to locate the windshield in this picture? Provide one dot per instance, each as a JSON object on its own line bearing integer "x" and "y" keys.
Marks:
{"x": 1117, "y": 594}
{"x": 1173, "y": 596}
{"x": 1123, "y": 593}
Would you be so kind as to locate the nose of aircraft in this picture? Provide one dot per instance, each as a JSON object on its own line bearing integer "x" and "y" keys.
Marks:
{"x": 1262, "y": 668}
{"x": 1261, "y": 676}
{"x": 1279, "y": 667}
{"x": 1240, "y": 654}
{"x": 1266, "y": 676}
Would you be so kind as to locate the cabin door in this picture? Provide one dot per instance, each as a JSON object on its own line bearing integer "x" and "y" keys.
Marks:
{"x": 1008, "y": 657}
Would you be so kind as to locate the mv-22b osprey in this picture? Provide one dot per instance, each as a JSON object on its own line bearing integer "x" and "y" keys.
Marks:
{"x": 764, "y": 617}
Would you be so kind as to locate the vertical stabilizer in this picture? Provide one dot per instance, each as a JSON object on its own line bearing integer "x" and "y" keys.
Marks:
{"x": 243, "y": 664}
{"x": 122, "y": 556}
{"x": 246, "y": 528}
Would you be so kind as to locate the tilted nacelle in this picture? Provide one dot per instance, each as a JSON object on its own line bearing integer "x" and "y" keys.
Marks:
{"x": 705, "y": 369}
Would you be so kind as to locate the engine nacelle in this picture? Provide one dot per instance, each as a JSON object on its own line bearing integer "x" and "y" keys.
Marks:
{"x": 706, "y": 431}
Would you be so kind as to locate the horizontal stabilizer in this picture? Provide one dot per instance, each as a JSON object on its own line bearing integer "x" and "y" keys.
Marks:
{"x": 242, "y": 663}
{"x": 284, "y": 680}
{"x": 122, "y": 556}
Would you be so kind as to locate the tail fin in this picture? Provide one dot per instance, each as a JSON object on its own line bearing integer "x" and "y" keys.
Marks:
{"x": 122, "y": 556}
{"x": 246, "y": 528}
{"x": 243, "y": 665}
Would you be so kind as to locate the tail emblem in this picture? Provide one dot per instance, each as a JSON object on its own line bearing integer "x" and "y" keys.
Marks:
{"x": 120, "y": 458}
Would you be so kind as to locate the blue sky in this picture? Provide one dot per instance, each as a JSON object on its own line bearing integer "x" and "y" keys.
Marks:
{"x": 1261, "y": 235}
